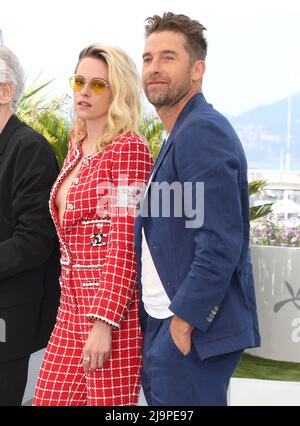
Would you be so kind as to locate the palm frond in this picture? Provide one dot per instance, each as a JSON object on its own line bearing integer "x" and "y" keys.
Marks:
{"x": 56, "y": 130}
{"x": 46, "y": 117}
{"x": 152, "y": 129}
{"x": 256, "y": 186}
{"x": 35, "y": 88}
{"x": 257, "y": 212}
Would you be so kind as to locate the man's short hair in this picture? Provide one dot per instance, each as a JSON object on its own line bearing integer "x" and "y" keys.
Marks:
{"x": 193, "y": 30}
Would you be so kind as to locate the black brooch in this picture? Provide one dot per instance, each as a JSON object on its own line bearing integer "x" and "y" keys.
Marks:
{"x": 97, "y": 240}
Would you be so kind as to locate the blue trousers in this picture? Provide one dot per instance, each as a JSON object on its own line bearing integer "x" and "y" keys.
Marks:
{"x": 170, "y": 378}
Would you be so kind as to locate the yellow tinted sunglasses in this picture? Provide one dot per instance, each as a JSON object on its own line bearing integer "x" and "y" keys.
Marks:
{"x": 97, "y": 85}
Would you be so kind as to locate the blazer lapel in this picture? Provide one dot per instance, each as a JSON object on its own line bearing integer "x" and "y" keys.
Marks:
{"x": 199, "y": 98}
{"x": 161, "y": 156}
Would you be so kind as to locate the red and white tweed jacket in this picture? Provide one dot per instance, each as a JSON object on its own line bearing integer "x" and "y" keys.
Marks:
{"x": 97, "y": 233}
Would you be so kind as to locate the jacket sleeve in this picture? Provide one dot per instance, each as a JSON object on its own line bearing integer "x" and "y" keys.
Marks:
{"x": 31, "y": 242}
{"x": 207, "y": 153}
{"x": 131, "y": 168}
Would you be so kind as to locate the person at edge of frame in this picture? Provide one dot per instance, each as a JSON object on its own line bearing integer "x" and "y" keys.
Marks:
{"x": 29, "y": 250}
{"x": 198, "y": 307}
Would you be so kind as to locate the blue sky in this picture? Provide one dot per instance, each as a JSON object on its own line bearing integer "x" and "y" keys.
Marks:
{"x": 253, "y": 57}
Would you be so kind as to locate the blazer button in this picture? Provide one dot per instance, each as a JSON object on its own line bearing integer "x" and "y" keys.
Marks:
{"x": 210, "y": 318}
{"x": 76, "y": 181}
{"x": 70, "y": 207}
{"x": 215, "y": 310}
{"x": 86, "y": 161}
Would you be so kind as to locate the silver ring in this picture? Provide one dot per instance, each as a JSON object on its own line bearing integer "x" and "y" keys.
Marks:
{"x": 86, "y": 358}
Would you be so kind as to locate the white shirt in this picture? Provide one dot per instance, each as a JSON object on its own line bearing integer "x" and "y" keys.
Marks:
{"x": 154, "y": 296}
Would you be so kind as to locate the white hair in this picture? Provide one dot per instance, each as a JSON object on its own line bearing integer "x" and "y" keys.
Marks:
{"x": 11, "y": 72}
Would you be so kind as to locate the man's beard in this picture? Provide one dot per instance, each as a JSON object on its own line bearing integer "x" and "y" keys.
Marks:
{"x": 167, "y": 97}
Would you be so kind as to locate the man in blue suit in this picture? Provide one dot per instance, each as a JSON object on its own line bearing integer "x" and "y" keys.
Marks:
{"x": 198, "y": 306}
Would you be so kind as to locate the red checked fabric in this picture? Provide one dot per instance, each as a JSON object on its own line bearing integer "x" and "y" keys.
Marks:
{"x": 98, "y": 277}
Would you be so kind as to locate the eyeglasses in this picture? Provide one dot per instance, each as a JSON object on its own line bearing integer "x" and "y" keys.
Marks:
{"x": 97, "y": 85}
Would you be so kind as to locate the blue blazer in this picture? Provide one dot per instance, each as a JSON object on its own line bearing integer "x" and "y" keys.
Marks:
{"x": 204, "y": 265}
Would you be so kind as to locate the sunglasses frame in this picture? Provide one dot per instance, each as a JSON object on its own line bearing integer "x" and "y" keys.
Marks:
{"x": 88, "y": 81}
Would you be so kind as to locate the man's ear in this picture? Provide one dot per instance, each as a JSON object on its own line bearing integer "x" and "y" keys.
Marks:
{"x": 198, "y": 70}
{"x": 6, "y": 93}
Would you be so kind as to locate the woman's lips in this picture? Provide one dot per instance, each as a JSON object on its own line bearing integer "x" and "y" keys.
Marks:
{"x": 84, "y": 104}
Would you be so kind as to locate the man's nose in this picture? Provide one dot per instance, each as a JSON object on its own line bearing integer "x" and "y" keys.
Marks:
{"x": 154, "y": 66}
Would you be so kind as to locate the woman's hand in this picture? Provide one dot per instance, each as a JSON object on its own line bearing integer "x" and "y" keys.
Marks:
{"x": 97, "y": 347}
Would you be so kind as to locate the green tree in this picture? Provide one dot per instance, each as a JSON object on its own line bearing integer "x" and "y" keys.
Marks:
{"x": 46, "y": 116}
{"x": 153, "y": 130}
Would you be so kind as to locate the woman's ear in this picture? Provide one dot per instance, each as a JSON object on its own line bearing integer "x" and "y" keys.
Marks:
{"x": 6, "y": 93}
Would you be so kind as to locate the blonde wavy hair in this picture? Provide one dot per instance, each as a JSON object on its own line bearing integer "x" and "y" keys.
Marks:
{"x": 124, "y": 114}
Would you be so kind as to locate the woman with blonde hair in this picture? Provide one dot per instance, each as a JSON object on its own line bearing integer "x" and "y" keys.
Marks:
{"x": 94, "y": 354}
